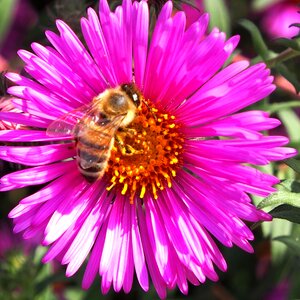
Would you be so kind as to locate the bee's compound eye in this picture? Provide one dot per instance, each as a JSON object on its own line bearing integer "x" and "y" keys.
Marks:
{"x": 118, "y": 101}
{"x": 136, "y": 100}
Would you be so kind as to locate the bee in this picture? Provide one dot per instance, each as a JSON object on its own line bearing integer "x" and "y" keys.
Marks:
{"x": 94, "y": 127}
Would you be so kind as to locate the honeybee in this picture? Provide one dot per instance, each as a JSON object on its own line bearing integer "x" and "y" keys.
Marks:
{"x": 94, "y": 127}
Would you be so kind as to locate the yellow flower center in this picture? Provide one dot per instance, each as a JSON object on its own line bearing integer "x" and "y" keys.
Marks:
{"x": 147, "y": 154}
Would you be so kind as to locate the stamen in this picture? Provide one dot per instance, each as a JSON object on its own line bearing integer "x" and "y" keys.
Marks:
{"x": 155, "y": 145}
{"x": 154, "y": 191}
{"x": 125, "y": 187}
{"x": 143, "y": 191}
{"x": 111, "y": 186}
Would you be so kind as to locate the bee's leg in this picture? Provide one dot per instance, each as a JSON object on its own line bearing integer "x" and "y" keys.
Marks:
{"x": 125, "y": 149}
{"x": 128, "y": 131}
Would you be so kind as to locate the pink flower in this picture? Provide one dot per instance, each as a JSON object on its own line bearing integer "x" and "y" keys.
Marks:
{"x": 280, "y": 291}
{"x": 7, "y": 107}
{"x": 154, "y": 212}
{"x": 23, "y": 17}
{"x": 10, "y": 242}
{"x": 278, "y": 18}
{"x": 193, "y": 12}
{"x": 3, "y": 64}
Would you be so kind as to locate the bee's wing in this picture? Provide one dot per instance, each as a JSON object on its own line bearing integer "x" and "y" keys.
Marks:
{"x": 67, "y": 123}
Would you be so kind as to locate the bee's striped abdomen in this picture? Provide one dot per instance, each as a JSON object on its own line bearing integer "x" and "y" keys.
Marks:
{"x": 93, "y": 153}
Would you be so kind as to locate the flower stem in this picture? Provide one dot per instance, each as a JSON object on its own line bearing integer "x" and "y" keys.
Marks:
{"x": 283, "y": 56}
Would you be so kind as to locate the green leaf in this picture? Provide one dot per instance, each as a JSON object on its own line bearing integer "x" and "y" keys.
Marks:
{"x": 74, "y": 294}
{"x": 292, "y": 124}
{"x": 278, "y": 58}
{"x": 259, "y": 5}
{"x": 281, "y": 197}
{"x": 49, "y": 280}
{"x": 275, "y": 107}
{"x": 287, "y": 212}
{"x": 178, "y": 4}
{"x": 279, "y": 227}
{"x": 258, "y": 42}
{"x": 294, "y": 164}
{"x": 6, "y": 13}
{"x": 289, "y": 185}
{"x": 289, "y": 43}
{"x": 293, "y": 243}
{"x": 291, "y": 77}
{"x": 219, "y": 14}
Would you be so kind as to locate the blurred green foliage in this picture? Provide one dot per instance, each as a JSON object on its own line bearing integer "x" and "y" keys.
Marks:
{"x": 6, "y": 16}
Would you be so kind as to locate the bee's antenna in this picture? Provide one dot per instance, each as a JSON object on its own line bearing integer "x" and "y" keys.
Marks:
{"x": 150, "y": 109}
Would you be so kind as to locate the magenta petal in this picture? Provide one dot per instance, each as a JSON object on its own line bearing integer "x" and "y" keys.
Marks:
{"x": 158, "y": 281}
{"x": 278, "y": 18}
{"x": 112, "y": 241}
{"x": 28, "y": 107}
{"x": 54, "y": 78}
{"x": 28, "y": 120}
{"x": 50, "y": 191}
{"x": 37, "y": 175}
{"x": 22, "y": 209}
{"x": 140, "y": 40}
{"x": 83, "y": 243}
{"x": 94, "y": 261}
{"x": 138, "y": 252}
{"x": 242, "y": 125}
{"x": 47, "y": 209}
{"x": 62, "y": 216}
{"x": 61, "y": 245}
{"x": 81, "y": 91}
{"x": 82, "y": 63}
{"x": 28, "y": 136}
{"x": 37, "y": 155}
{"x": 211, "y": 102}
{"x": 159, "y": 242}
{"x": 117, "y": 30}
{"x": 259, "y": 151}
{"x": 123, "y": 276}
{"x": 94, "y": 37}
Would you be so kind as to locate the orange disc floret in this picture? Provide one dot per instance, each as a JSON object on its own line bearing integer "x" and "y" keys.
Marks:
{"x": 152, "y": 155}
